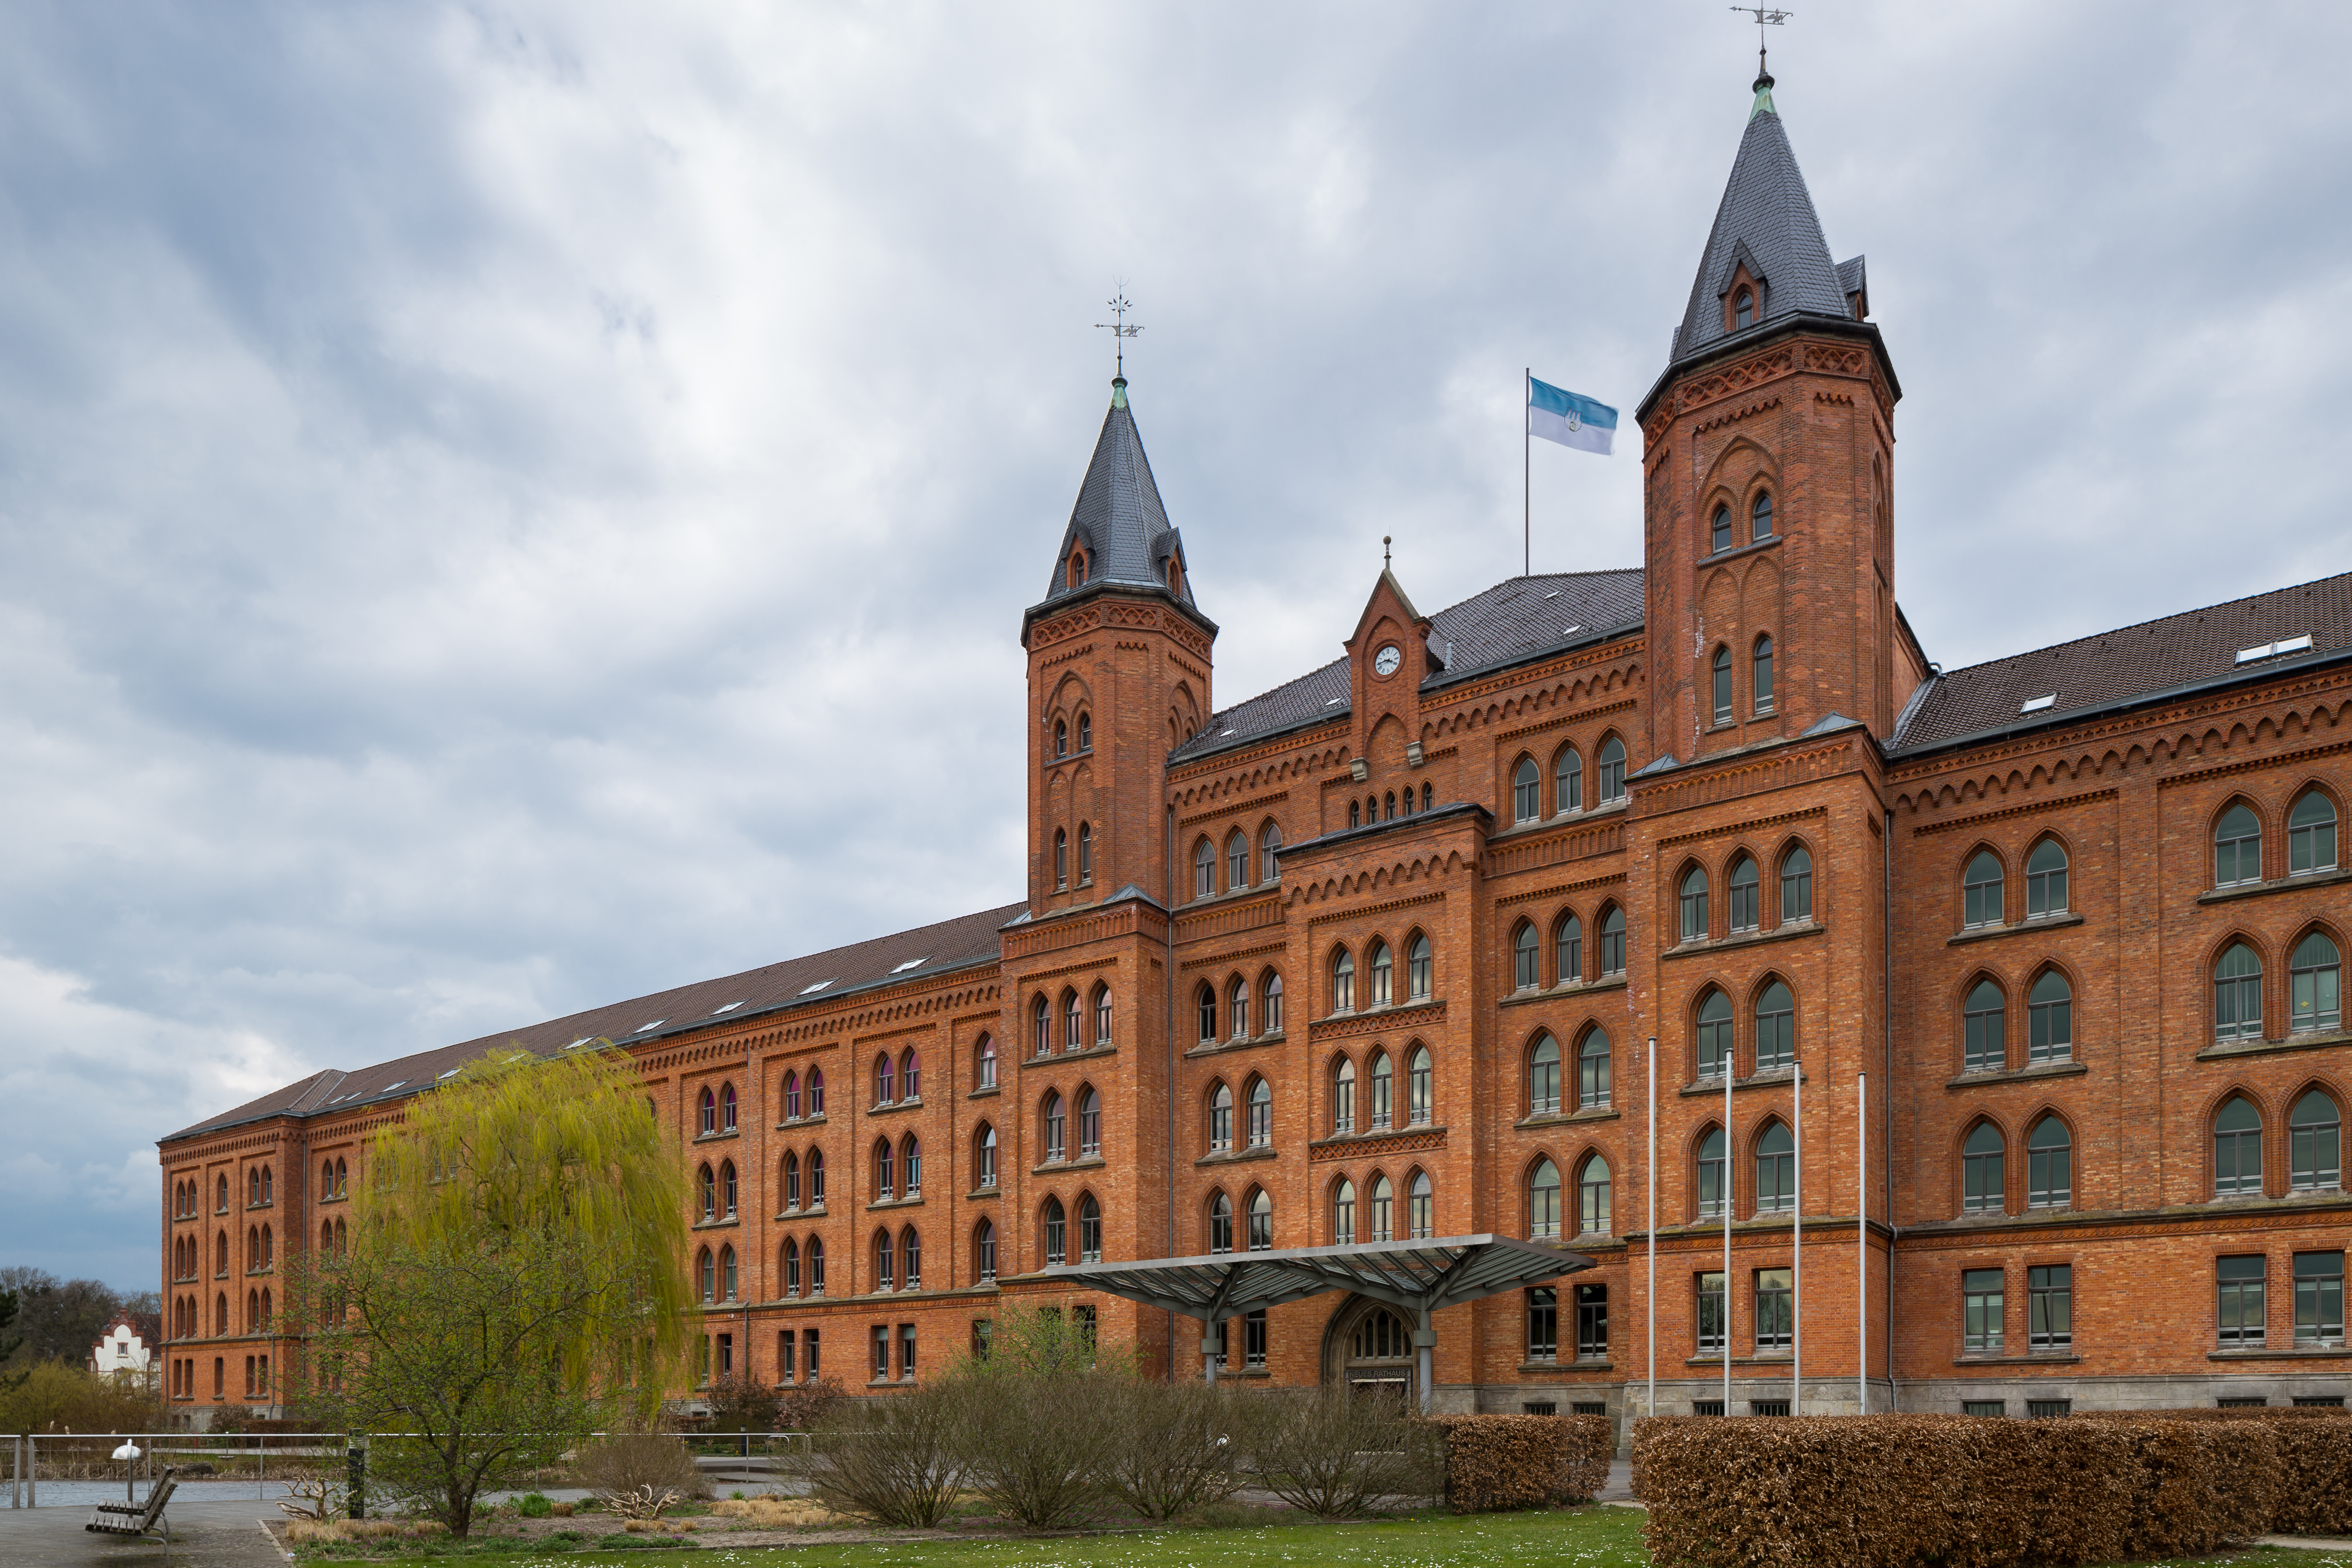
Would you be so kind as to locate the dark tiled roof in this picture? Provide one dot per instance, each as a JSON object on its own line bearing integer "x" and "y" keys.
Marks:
{"x": 1766, "y": 221}
{"x": 950, "y": 944}
{"x": 1118, "y": 516}
{"x": 1513, "y": 620}
{"x": 2132, "y": 663}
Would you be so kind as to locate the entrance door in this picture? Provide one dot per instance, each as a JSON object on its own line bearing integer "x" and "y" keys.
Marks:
{"x": 1377, "y": 1353}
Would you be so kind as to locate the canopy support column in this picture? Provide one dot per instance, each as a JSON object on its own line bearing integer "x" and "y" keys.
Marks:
{"x": 1209, "y": 1356}
{"x": 1425, "y": 1357}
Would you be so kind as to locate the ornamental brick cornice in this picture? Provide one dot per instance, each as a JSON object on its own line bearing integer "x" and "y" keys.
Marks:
{"x": 1581, "y": 840}
{"x": 2276, "y": 759}
{"x": 1747, "y": 776}
{"x": 1559, "y": 888}
{"x": 1363, "y": 910}
{"x": 1253, "y": 802}
{"x": 1218, "y": 960}
{"x": 1405, "y": 1020}
{"x": 1744, "y": 825}
{"x": 1376, "y": 1145}
{"x": 2059, "y": 803}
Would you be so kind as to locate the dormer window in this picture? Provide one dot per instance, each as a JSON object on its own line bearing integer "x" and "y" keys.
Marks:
{"x": 1078, "y": 568}
{"x": 1175, "y": 576}
{"x": 1743, "y": 308}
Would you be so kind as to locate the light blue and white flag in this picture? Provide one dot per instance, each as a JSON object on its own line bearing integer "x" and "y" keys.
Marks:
{"x": 1569, "y": 418}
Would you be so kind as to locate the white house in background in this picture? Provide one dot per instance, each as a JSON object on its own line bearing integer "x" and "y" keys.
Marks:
{"x": 122, "y": 1350}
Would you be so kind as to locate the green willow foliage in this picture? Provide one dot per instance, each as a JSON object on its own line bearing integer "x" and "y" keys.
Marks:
{"x": 516, "y": 1276}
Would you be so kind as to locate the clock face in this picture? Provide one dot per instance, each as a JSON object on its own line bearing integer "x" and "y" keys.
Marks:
{"x": 1385, "y": 662}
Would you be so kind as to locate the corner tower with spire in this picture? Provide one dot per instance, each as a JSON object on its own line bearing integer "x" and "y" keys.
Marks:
{"x": 1768, "y": 473}
{"x": 1119, "y": 677}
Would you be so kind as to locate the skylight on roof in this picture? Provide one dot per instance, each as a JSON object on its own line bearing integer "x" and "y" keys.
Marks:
{"x": 1571, "y": 631}
{"x": 1553, "y": 594}
{"x": 919, "y": 963}
{"x": 2272, "y": 649}
{"x": 453, "y": 1072}
{"x": 728, "y": 1008}
{"x": 387, "y": 1088}
{"x": 1334, "y": 702}
{"x": 2036, "y": 704}
{"x": 813, "y": 990}
{"x": 656, "y": 1023}
{"x": 580, "y": 1042}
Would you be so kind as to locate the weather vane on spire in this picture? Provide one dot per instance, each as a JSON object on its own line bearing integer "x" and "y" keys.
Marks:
{"x": 1766, "y": 17}
{"x": 1118, "y": 330}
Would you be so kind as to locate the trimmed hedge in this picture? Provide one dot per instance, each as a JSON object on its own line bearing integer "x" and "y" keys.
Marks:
{"x": 1523, "y": 1461}
{"x": 2315, "y": 1451}
{"x": 1958, "y": 1491}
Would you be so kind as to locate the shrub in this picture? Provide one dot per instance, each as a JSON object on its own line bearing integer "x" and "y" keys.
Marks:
{"x": 806, "y": 1406}
{"x": 740, "y": 1404}
{"x": 532, "y": 1505}
{"x": 632, "y": 1461}
{"x": 1033, "y": 1443}
{"x": 1335, "y": 1452}
{"x": 1170, "y": 1449}
{"x": 897, "y": 1459}
{"x": 1523, "y": 1461}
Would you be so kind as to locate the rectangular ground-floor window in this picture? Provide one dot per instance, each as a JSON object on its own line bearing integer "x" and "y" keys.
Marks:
{"x": 983, "y": 1336}
{"x": 727, "y": 1355}
{"x": 907, "y": 1350}
{"x": 1776, "y": 1319}
{"x": 2243, "y": 1403}
{"x": 2048, "y": 1409}
{"x": 2318, "y": 1297}
{"x": 1539, "y": 1407}
{"x": 1768, "y": 1407}
{"x": 2321, "y": 1401}
{"x": 784, "y": 1355}
{"x": 702, "y": 1362}
{"x": 1706, "y": 1407}
{"x": 1984, "y": 1407}
{"x": 220, "y": 1377}
{"x": 1980, "y": 1310}
{"x": 2239, "y": 1309}
{"x": 1588, "y": 1407}
{"x": 1083, "y": 1319}
{"x": 880, "y": 1335}
{"x": 1591, "y": 1321}
{"x": 1253, "y": 1339}
{"x": 808, "y": 1356}
{"x": 2050, "y": 1307}
{"x": 1711, "y": 1328}
{"x": 1543, "y": 1323}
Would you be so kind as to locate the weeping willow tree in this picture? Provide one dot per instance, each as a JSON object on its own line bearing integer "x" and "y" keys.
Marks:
{"x": 514, "y": 1278}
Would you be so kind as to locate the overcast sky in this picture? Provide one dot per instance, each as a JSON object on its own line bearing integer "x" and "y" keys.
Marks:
{"x": 505, "y": 507}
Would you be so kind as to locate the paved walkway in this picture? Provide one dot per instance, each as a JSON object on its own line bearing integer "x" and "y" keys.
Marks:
{"x": 203, "y": 1535}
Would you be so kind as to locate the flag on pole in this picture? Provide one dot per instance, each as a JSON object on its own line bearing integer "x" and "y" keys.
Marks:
{"x": 1569, "y": 418}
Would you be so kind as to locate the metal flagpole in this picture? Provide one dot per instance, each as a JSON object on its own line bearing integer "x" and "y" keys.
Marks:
{"x": 1527, "y": 504}
{"x": 1862, "y": 1239}
{"x": 1724, "y": 1193}
{"x": 1797, "y": 1259}
{"x": 1651, "y": 1176}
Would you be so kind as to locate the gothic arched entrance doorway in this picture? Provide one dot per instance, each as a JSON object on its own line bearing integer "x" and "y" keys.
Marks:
{"x": 1369, "y": 1346}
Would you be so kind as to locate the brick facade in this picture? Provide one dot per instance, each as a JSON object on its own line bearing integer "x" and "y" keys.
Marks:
{"x": 1398, "y": 802}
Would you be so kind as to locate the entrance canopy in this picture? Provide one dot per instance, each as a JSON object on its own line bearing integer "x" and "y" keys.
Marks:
{"x": 1420, "y": 1277}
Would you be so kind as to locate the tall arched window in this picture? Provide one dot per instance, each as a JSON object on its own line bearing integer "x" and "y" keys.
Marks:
{"x": 1718, "y": 670}
{"x": 1261, "y": 1220}
{"x": 2238, "y": 1150}
{"x": 2237, "y": 847}
{"x": 2045, "y": 880}
{"x": 1419, "y": 1084}
{"x": 792, "y": 1096}
{"x": 1713, "y": 1167}
{"x": 1383, "y": 970}
{"x": 1237, "y": 861}
{"x": 788, "y": 1171}
{"x": 910, "y": 1257}
{"x": 1715, "y": 1036}
{"x": 1343, "y": 1213}
{"x": 1420, "y": 1206}
{"x": 1719, "y": 532}
{"x": 886, "y": 1169}
{"x": 1543, "y": 1077}
{"x": 2238, "y": 994}
{"x": 886, "y": 1078}
{"x": 1796, "y": 886}
{"x": 708, "y": 1120}
{"x": 1743, "y": 894}
{"x": 1261, "y": 1114}
{"x": 1593, "y": 1068}
{"x": 706, "y": 1183}
{"x": 2311, "y": 835}
{"x": 1073, "y": 1023}
{"x": 1383, "y": 1090}
{"x": 815, "y": 1168}
{"x": 1205, "y": 1003}
{"x": 816, "y": 1092}
{"x": 1237, "y": 1004}
{"x": 1056, "y": 1120}
{"x": 1984, "y": 1040}
{"x": 1041, "y": 1027}
{"x": 1593, "y": 1217}
{"x": 813, "y": 1255}
{"x": 728, "y": 1282}
{"x": 1221, "y": 1223}
{"x": 1061, "y": 738}
{"x": 1343, "y": 982}
{"x": 1544, "y": 1202}
{"x": 1055, "y": 1230}
{"x": 1776, "y": 1028}
{"x": 2314, "y": 1131}
{"x": 1086, "y": 853}
{"x": 1760, "y": 674}
{"x": 2050, "y": 1019}
{"x": 706, "y": 1274}
{"x": 1567, "y": 780}
{"x": 1089, "y": 1230}
{"x": 1527, "y": 959}
{"x": 910, "y": 1165}
{"x": 1776, "y": 1170}
{"x": 1980, "y": 888}
{"x": 1061, "y": 859}
{"x": 1384, "y": 1210}
{"x": 1419, "y": 969}
{"x": 1527, "y": 790}
{"x": 1085, "y": 732}
{"x": 984, "y": 1158}
{"x": 1205, "y": 870}
{"x": 1343, "y": 1095}
{"x": 983, "y": 1254}
{"x": 1568, "y": 950}
{"x": 728, "y": 1188}
{"x": 2315, "y": 987}
{"x": 1612, "y": 770}
{"x": 1759, "y": 516}
{"x": 1983, "y": 1188}
{"x": 1612, "y": 943}
{"x": 2048, "y": 1165}
{"x": 1355, "y": 814}
{"x": 910, "y": 1074}
{"x": 1221, "y": 1119}
{"x": 1692, "y": 899}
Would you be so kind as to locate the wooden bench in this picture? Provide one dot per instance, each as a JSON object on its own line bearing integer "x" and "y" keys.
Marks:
{"x": 141, "y": 1520}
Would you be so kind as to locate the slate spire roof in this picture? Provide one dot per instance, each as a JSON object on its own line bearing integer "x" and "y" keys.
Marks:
{"x": 1118, "y": 517}
{"x": 1767, "y": 223}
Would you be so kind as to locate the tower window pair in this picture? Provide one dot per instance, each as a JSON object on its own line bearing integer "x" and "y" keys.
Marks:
{"x": 1759, "y": 524}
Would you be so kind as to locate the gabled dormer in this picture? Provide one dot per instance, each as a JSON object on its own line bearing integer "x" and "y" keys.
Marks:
{"x": 1389, "y": 657}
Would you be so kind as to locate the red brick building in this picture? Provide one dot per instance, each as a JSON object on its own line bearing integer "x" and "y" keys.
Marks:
{"x": 2054, "y": 940}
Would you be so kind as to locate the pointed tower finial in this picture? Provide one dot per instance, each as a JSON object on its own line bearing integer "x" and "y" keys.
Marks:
{"x": 1766, "y": 17}
{"x": 1120, "y": 333}
{"x": 1385, "y": 542}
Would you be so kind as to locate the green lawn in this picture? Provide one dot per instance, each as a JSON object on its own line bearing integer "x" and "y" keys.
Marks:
{"x": 1592, "y": 1537}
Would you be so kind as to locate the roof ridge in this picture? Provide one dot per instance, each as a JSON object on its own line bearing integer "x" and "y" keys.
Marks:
{"x": 2135, "y": 626}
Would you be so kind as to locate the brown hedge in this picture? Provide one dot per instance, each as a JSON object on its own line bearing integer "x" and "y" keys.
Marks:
{"x": 1955, "y": 1491}
{"x": 1524, "y": 1461}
